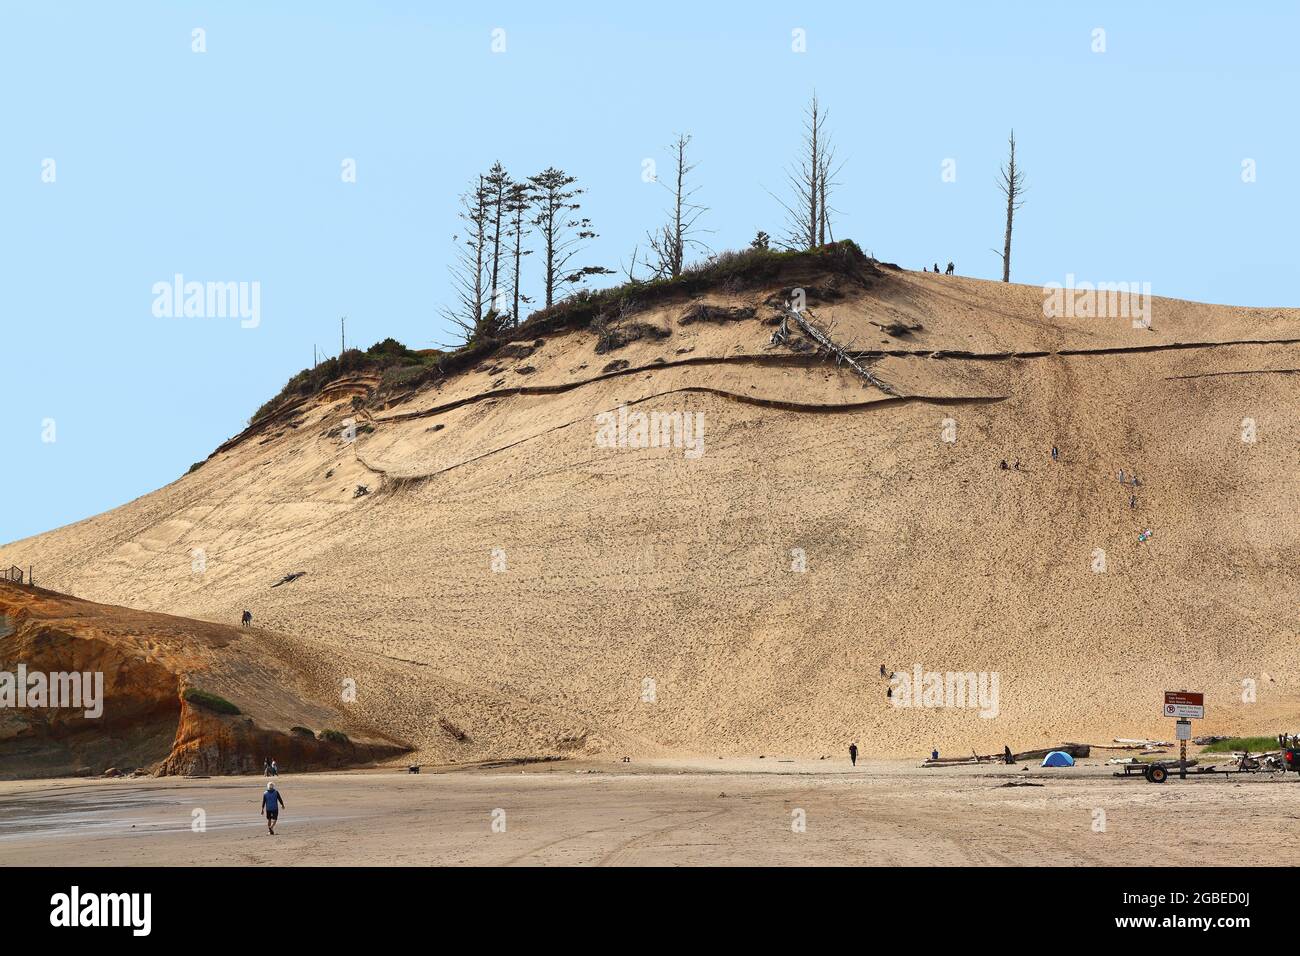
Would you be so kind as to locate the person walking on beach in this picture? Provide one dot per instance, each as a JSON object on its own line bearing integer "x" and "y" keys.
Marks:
{"x": 275, "y": 769}
{"x": 271, "y": 804}
{"x": 266, "y": 767}
{"x": 853, "y": 754}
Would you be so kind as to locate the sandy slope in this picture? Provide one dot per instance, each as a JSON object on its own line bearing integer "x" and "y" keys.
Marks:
{"x": 627, "y": 564}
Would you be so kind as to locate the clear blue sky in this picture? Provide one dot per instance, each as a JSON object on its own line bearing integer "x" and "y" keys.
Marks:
{"x": 225, "y": 166}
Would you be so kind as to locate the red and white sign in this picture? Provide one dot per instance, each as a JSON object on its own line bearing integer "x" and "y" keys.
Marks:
{"x": 1184, "y": 704}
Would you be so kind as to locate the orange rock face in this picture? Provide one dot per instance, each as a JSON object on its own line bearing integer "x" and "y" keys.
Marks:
{"x": 135, "y": 668}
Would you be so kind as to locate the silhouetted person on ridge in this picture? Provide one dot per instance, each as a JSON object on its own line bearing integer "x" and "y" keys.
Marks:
{"x": 951, "y": 269}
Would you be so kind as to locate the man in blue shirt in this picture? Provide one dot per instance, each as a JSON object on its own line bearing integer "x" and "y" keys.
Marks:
{"x": 271, "y": 804}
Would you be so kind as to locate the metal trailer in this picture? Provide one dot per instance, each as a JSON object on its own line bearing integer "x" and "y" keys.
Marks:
{"x": 1158, "y": 771}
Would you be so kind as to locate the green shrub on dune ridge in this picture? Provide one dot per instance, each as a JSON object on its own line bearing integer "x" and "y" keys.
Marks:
{"x": 401, "y": 367}
{"x": 212, "y": 702}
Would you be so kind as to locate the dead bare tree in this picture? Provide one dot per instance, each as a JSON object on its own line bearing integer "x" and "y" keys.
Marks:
{"x": 629, "y": 271}
{"x": 670, "y": 244}
{"x": 469, "y": 277}
{"x": 554, "y": 204}
{"x": 825, "y": 182}
{"x": 811, "y": 181}
{"x": 1012, "y": 184}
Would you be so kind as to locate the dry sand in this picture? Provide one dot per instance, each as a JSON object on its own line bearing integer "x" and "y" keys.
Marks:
{"x": 883, "y": 813}
{"x": 623, "y": 565}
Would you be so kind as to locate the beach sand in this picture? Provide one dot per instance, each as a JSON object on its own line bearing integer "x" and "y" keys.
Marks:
{"x": 669, "y": 813}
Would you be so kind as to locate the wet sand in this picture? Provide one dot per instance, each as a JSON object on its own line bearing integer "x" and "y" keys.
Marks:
{"x": 735, "y": 812}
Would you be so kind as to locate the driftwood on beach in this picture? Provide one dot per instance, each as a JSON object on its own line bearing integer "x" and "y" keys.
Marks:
{"x": 1074, "y": 750}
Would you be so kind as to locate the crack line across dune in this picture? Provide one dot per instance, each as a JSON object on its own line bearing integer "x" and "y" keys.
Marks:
{"x": 1249, "y": 371}
{"x": 829, "y": 409}
{"x": 765, "y": 360}
{"x": 811, "y": 360}
{"x": 808, "y": 360}
{"x": 1098, "y": 350}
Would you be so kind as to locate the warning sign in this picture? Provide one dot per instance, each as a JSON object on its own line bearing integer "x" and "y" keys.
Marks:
{"x": 1184, "y": 704}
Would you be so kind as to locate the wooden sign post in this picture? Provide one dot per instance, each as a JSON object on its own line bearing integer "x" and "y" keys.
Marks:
{"x": 1184, "y": 705}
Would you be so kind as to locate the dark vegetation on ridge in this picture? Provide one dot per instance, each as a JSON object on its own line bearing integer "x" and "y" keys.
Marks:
{"x": 402, "y": 368}
{"x": 212, "y": 702}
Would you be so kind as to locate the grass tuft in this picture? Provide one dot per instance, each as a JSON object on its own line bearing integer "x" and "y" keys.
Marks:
{"x": 1253, "y": 744}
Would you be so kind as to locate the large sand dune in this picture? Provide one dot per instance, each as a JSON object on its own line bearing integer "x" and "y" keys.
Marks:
{"x": 509, "y": 585}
